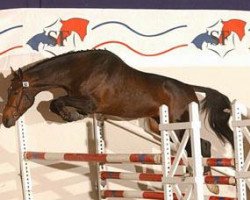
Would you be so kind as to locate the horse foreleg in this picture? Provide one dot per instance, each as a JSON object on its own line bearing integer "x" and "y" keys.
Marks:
{"x": 59, "y": 106}
{"x": 83, "y": 105}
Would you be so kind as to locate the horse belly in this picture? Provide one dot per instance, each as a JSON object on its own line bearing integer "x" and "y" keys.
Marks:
{"x": 130, "y": 107}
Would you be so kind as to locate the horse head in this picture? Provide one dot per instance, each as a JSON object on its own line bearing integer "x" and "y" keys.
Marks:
{"x": 20, "y": 98}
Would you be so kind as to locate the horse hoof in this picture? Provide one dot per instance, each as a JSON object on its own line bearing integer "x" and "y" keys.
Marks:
{"x": 213, "y": 188}
{"x": 74, "y": 116}
{"x": 70, "y": 117}
{"x": 67, "y": 119}
{"x": 189, "y": 170}
{"x": 82, "y": 116}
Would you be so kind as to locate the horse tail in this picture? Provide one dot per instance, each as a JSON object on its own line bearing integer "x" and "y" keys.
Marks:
{"x": 218, "y": 108}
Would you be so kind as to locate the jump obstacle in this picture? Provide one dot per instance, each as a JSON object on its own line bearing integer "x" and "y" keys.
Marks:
{"x": 121, "y": 158}
{"x": 169, "y": 179}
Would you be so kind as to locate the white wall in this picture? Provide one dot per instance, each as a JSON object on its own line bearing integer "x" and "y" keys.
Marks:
{"x": 228, "y": 74}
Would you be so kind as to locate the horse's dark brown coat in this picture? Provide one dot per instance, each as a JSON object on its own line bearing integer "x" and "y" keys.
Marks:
{"x": 97, "y": 81}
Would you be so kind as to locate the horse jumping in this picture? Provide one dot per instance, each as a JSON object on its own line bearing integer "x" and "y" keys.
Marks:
{"x": 98, "y": 81}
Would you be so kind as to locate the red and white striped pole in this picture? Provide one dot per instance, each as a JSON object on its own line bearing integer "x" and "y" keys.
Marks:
{"x": 102, "y": 158}
{"x": 149, "y": 195}
{"x": 223, "y": 180}
{"x": 119, "y": 158}
{"x": 133, "y": 194}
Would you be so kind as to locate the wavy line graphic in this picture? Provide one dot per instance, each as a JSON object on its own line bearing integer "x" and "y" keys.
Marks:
{"x": 11, "y": 28}
{"x": 142, "y": 54}
{"x": 52, "y": 53}
{"x": 10, "y": 49}
{"x": 52, "y": 24}
{"x": 136, "y": 32}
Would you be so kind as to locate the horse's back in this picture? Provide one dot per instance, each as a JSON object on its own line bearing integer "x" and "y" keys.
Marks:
{"x": 123, "y": 91}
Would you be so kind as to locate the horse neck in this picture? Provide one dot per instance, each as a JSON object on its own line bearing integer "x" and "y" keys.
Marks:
{"x": 47, "y": 78}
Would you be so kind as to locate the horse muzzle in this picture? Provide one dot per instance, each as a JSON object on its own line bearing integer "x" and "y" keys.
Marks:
{"x": 9, "y": 122}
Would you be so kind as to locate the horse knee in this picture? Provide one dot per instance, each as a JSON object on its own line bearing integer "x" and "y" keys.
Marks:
{"x": 56, "y": 105}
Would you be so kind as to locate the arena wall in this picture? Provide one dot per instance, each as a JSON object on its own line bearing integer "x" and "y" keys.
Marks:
{"x": 166, "y": 42}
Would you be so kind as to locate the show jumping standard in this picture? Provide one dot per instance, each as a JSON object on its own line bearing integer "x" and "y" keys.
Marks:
{"x": 98, "y": 81}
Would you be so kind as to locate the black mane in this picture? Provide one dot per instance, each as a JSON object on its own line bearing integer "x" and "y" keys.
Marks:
{"x": 40, "y": 62}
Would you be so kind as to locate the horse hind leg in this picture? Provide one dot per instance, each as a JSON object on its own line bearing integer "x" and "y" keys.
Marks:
{"x": 152, "y": 124}
{"x": 81, "y": 107}
{"x": 205, "y": 152}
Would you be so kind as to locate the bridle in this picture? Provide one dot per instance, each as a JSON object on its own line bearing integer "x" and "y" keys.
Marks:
{"x": 16, "y": 107}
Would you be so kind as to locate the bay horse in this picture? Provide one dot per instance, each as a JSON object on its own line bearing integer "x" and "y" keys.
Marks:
{"x": 98, "y": 81}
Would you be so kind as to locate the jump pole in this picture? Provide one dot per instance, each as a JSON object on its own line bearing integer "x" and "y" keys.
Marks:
{"x": 149, "y": 195}
{"x": 120, "y": 158}
{"x": 222, "y": 180}
{"x": 140, "y": 132}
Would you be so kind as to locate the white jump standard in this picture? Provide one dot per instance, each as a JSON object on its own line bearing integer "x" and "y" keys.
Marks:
{"x": 169, "y": 162}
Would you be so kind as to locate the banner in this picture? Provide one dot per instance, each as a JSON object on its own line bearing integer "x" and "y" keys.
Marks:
{"x": 145, "y": 38}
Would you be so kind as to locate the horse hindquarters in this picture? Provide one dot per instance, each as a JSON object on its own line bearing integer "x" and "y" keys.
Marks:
{"x": 179, "y": 111}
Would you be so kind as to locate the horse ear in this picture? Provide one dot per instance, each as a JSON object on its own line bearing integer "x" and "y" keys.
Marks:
{"x": 13, "y": 72}
{"x": 20, "y": 73}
